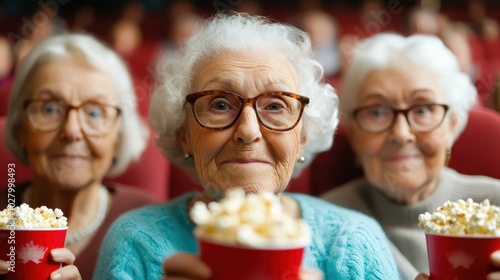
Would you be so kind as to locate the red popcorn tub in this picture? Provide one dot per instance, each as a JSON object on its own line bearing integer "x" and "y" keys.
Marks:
{"x": 250, "y": 237}
{"x": 27, "y": 236}
{"x": 460, "y": 239}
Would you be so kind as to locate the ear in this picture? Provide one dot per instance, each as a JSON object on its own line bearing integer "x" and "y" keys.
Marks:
{"x": 302, "y": 145}
{"x": 118, "y": 144}
{"x": 453, "y": 126}
{"x": 183, "y": 139}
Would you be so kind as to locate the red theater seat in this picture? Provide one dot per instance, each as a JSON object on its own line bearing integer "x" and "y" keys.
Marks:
{"x": 22, "y": 173}
{"x": 334, "y": 167}
{"x": 477, "y": 150}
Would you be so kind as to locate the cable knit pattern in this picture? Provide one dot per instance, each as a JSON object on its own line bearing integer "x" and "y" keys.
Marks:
{"x": 345, "y": 244}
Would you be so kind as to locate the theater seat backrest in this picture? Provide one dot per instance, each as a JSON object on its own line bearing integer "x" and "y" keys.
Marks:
{"x": 334, "y": 167}
{"x": 151, "y": 172}
{"x": 21, "y": 172}
{"x": 477, "y": 150}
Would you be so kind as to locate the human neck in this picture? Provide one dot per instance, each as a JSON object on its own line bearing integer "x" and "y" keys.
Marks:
{"x": 412, "y": 196}
{"x": 79, "y": 206}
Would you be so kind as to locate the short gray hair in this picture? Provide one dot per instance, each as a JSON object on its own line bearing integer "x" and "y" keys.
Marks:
{"x": 386, "y": 50}
{"x": 237, "y": 31}
{"x": 133, "y": 131}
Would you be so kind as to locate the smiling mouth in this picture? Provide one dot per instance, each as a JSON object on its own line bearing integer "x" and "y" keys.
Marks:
{"x": 402, "y": 158}
{"x": 70, "y": 157}
{"x": 244, "y": 161}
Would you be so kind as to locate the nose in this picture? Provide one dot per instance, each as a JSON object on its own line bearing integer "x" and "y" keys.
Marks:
{"x": 72, "y": 129}
{"x": 401, "y": 131}
{"x": 247, "y": 126}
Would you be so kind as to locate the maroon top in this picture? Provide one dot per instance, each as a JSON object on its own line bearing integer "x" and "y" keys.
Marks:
{"x": 125, "y": 198}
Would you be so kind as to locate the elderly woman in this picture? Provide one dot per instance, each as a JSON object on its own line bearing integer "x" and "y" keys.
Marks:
{"x": 406, "y": 101}
{"x": 204, "y": 125}
{"x": 73, "y": 119}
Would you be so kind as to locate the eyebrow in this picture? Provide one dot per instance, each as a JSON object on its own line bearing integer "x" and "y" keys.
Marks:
{"x": 414, "y": 94}
{"x": 423, "y": 90}
{"x": 54, "y": 94}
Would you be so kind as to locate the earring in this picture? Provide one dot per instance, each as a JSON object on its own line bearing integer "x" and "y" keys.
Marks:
{"x": 188, "y": 157}
{"x": 114, "y": 160}
{"x": 302, "y": 159}
{"x": 448, "y": 157}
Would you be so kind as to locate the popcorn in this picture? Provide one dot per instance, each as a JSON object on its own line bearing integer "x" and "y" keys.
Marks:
{"x": 462, "y": 218}
{"x": 28, "y": 218}
{"x": 253, "y": 220}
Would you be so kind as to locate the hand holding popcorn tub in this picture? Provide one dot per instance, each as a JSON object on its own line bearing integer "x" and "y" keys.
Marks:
{"x": 29, "y": 239}
{"x": 250, "y": 229}
{"x": 461, "y": 238}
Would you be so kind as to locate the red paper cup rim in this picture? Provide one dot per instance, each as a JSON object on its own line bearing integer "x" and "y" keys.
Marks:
{"x": 35, "y": 229}
{"x": 482, "y": 236}
{"x": 294, "y": 244}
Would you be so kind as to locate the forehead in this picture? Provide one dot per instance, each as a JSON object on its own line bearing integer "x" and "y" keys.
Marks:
{"x": 71, "y": 77}
{"x": 401, "y": 83}
{"x": 257, "y": 70}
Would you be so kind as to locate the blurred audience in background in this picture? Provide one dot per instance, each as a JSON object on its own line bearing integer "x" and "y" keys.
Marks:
{"x": 422, "y": 21}
{"x": 322, "y": 28}
{"x": 143, "y": 32}
{"x": 125, "y": 37}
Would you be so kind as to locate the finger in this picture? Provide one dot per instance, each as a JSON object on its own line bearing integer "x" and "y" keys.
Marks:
{"x": 186, "y": 265}
{"x": 493, "y": 276}
{"x": 69, "y": 272}
{"x": 495, "y": 258}
{"x": 62, "y": 255}
{"x": 311, "y": 274}
{"x": 4, "y": 267}
{"x": 422, "y": 276}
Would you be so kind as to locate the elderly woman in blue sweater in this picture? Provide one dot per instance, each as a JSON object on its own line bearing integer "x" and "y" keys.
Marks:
{"x": 204, "y": 125}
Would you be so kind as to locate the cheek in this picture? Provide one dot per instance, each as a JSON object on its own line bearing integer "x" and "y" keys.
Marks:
{"x": 433, "y": 147}
{"x": 205, "y": 145}
{"x": 434, "y": 143}
{"x": 104, "y": 148}
{"x": 37, "y": 144}
{"x": 366, "y": 146}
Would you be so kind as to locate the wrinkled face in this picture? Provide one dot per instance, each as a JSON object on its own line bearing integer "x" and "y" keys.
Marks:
{"x": 402, "y": 162}
{"x": 66, "y": 157}
{"x": 246, "y": 154}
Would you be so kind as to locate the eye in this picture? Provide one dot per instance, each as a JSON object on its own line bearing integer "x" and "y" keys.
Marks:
{"x": 94, "y": 111}
{"x": 423, "y": 110}
{"x": 274, "y": 107}
{"x": 219, "y": 105}
{"x": 377, "y": 111}
{"x": 273, "y": 103}
{"x": 51, "y": 108}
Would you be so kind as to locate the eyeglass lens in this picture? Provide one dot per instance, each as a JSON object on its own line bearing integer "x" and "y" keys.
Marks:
{"x": 420, "y": 118}
{"x": 221, "y": 109}
{"x": 94, "y": 118}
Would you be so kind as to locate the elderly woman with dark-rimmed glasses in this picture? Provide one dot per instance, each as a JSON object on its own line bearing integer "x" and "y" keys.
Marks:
{"x": 73, "y": 120}
{"x": 405, "y": 102}
{"x": 244, "y": 105}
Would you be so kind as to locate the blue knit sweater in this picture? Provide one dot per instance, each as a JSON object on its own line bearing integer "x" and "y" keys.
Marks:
{"x": 345, "y": 244}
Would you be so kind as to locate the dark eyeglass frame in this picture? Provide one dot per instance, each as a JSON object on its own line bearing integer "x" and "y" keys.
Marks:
{"x": 192, "y": 97}
{"x": 395, "y": 112}
{"x": 68, "y": 107}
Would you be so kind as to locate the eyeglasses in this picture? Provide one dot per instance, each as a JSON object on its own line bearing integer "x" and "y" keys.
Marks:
{"x": 420, "y": 118}
{"x": 217, "y": 109}
{"x": 96, "y": 119}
